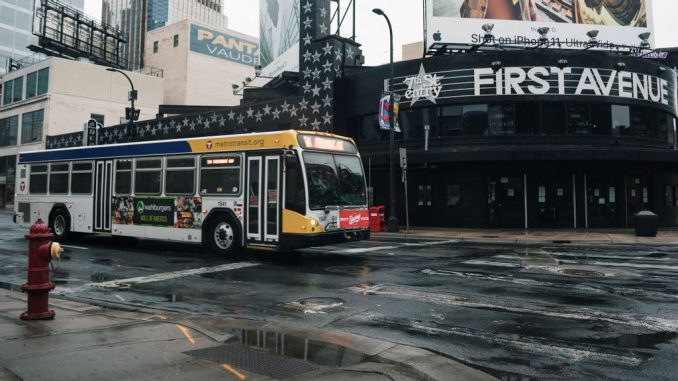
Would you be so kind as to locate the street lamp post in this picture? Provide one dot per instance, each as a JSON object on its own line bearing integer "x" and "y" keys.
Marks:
{"x": 131, "y": 115}
{"x": 392, "y": 223}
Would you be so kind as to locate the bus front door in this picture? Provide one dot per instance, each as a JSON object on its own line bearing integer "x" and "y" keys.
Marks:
{"x": 102, "y": 195}
{"x": 263, "y": 199}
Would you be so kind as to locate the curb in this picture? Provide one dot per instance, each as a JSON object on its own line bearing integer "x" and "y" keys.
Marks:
{"x": 520, "y": 241}
{"x": 410, "y": 361}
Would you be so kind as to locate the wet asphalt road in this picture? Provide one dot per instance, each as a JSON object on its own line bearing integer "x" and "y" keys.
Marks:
{"x": 551, "y": 312}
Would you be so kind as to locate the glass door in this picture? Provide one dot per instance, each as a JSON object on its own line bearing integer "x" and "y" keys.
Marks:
{"x": 102, "y": 196}
{"x": 263, "y": 198}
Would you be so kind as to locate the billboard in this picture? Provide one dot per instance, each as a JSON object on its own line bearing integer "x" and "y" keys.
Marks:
{"x": 619, "y": 22}
{"x": 225, "y": 46}
{"x": 278, "y": 36}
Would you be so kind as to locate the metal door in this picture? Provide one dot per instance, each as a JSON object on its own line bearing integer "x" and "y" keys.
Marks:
{"x": 263, "y": 198}
{"x": 102, "y": 195}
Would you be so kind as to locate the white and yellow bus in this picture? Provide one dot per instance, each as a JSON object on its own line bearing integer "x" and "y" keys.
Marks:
{"x": 276, "y": 190}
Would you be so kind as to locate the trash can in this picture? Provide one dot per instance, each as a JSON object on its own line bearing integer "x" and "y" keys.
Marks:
{"x": 377, "y": 219}
{"x": 646, "y": 224}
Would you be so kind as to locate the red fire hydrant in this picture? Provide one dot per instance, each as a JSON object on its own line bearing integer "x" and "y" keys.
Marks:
{"x": 41, "y": 250}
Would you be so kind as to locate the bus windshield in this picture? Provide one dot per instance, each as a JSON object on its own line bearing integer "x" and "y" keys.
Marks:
{"x": 334, "y": 180}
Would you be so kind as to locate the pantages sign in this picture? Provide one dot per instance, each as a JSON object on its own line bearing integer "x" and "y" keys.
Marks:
{"x": 225, "y": 46}
{"x": 536, "y": 80}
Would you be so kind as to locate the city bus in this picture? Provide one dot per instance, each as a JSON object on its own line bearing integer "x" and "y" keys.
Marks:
{"x": 276, "y": 190}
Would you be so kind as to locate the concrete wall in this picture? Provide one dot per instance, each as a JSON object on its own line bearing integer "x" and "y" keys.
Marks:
{"x": 172, "y": 61}
{"x": 193, "y": 78}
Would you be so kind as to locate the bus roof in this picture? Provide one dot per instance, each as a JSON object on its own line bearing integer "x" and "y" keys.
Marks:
{"x": 219, "y": 143}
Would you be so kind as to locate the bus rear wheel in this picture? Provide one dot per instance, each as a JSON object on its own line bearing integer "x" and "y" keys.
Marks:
{"x": 60, "y": 225}
{"x": 223, "y": 237}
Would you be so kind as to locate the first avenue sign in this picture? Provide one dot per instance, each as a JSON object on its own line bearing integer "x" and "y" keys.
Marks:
{"x": 540, "y": 80}
{"x": 534, "y": 80}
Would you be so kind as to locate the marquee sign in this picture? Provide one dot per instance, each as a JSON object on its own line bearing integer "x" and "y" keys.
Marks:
{"x": 534, "y": 80}
{"x": 225, "y": 46}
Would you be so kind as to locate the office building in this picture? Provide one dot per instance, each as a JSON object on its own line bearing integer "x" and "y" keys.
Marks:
{"x": 136, "y": 17}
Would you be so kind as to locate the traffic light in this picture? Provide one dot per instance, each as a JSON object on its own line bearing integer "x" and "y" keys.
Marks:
{"x": 132, "y": 114}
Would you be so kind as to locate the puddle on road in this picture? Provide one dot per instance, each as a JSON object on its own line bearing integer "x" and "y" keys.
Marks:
{"x": 646, "y": 341}
{"x": 314, "y": 351}
{"x": 180, "y": 260}
{"x": 101, "y": 277}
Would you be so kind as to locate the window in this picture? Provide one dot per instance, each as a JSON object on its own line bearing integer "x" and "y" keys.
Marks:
{"x": 147, "y": 176}
{"x": 527, "y": 118}
{"x": 639, "y": 122}
{"x": 450, "y": 121}
{"x": 220, "y": 175}
{"x": 38, "y": 179}
{"x": 475, "y": 119}
{"x": 578, "y": 119}
{"x": 295, "y": 198}
{"x": 552, "y": 118}
{"x": 7, "y": 92}
{"x": 18, "y": 89}
{"x": 621, "y": 120}
{"x": 155, "y": 46}
{"x": 31, "y": 85}
{"x": 601, "y": 119}
{"x": 123, "y": 177}
{"x": 176, "y": 40}
{"x": 31, "y": 127}
{"x": 424, "y": 195}
{"x": 81, "y": 178}
{"x": 453, "y": 195}
{"x": 58, "y": 178}
{"x": 98, "y": 117}
{"x": 500, "y": 120}
{"x": 8, "y": 130}
{"x": 180, "y": 176}
{"x": 43, "y": 81}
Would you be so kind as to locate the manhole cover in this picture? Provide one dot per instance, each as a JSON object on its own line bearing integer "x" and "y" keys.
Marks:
{"x": 581, "y": 273}
{"x": 350, "y": 270}
{"x": 321, "y": 302}
{"x": 101, "y": 277}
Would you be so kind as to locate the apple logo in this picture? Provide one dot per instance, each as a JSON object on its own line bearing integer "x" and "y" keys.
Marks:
{"x": 436, "y": 36}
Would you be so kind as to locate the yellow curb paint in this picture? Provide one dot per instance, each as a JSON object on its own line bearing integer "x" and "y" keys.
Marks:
{"x": 186, "y": 333}
{"x": 233, "y": 371}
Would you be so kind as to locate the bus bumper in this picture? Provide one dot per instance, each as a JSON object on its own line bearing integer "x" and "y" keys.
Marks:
{"x": 299, "y": 241}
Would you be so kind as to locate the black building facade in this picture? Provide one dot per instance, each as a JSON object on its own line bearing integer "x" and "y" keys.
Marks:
{"x": 530, "y": 138}
{"x": 535, "y": 138}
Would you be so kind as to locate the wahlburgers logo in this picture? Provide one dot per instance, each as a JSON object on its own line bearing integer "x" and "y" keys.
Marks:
{"x": 140, "y": 207}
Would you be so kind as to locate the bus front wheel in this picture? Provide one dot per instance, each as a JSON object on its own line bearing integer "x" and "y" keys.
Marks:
{"x": 60, "y": 224}
{"x": 223, "y": 237}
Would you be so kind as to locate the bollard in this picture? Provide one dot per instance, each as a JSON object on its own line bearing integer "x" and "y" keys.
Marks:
{"x": 41, "y": 250}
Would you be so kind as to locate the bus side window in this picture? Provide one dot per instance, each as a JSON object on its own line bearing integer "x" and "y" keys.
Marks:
{"x": 147, "y": 176}
{"x": 58, "y": 178}
{"x": 123, "y": 177}
{"x": 180, "y": 176}
{"x": 38, "y": 179}
{"x": 81, "y": 178}
{"x": 295, "y": 198}
{"x": 220, "y": 175}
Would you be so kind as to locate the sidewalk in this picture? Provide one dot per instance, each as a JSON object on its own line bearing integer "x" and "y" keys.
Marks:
{"x": 665, "y": 236}
{"x": 91, "y": 342}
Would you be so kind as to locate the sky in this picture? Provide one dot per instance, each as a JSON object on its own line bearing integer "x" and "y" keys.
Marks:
{"x": 407, "y": 19}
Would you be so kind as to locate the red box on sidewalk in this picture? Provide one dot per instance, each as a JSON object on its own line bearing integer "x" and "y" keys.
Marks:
{"x": 377, "y": 219}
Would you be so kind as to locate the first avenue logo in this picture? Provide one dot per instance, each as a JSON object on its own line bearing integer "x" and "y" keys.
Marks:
{"x": 423, "y": 85}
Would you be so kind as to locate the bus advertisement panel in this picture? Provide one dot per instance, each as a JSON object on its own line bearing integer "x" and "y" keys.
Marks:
{"x": 619, "y": 22}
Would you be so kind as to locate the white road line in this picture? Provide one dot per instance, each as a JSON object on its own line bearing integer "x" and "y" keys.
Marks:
{"x": 365, "y": 249}
{"x": 505, "y": 305}
{"x": 123, "y": 283}
{"x": 75, "y": 247}
{"x": 431, "y": 243}
{"x": 604, "y": 257}
{"x": 490, "y": 263}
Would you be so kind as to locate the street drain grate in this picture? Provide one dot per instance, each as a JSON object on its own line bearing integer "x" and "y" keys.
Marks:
{"x": 581, "y": 273}
{"x": 489, "y": 236}
{"x": 240, "y": 357}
